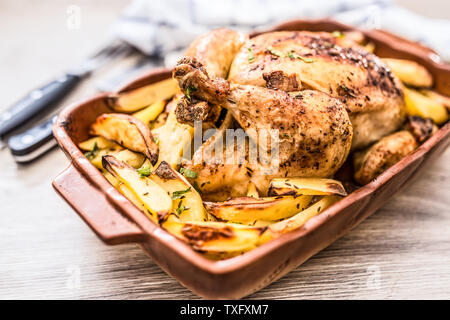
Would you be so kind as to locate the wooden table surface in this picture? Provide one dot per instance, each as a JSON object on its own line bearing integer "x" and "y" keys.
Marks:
{"x": 46, "y": 251}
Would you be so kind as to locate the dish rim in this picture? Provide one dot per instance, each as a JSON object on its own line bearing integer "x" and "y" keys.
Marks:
{"x": 152, "y": 232}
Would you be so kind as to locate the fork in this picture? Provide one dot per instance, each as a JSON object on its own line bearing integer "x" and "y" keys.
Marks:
{"x": 44, "y": 97}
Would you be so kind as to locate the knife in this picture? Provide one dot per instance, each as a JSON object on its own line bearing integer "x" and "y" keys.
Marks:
{"x": 33, "y": 143}
{"x": 45, "y": 97}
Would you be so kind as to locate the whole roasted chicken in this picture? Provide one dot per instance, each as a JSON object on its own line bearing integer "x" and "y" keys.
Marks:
{"x": 323, "y": 94}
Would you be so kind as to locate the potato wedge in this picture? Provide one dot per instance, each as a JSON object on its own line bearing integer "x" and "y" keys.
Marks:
{"x": 410, "y": 72}
{"x": 252, "y": 191}
{"x": 214, "y": 236}
{"x": 151, "y": 112}
{"x": 370, "y": 47}
{"x": 437, "y": 97}
{"x": 134, "y": 159}
{"x": 187, "y": 202}
{"x": 154, "y": 198}
{"x": 306, "y": 186}
{"x": 128, "y": 132}
{"x": 173, "y": 137}
{"x": 129, "y": 157}
{"x": 135, "y": 200}
{"x": 140, "y": 98}
{"x": 421, "y": 128}
{"x": 111, "y": 179}
{"x": 248, "y": 210}
{"x": 418, "y": 104}
{"x": 96, "y": 159}
{"x": 298, "y": 220}
{"x": 374, "y": 160}
{"x": 100, "y": 142}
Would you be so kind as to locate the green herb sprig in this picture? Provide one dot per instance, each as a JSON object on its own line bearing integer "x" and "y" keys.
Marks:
{"x": 189, "y": 90}
{"x": 180, "y": 193}
{"x": 338, "y": 34}
{"x": 188, "y": 173}
{"x": 276, "y": 52}
{"x": 93, "y": 153}
{"x": 293, "y": 55}
{"x": 144, "y": 171}
{"x": 251, "y": 57}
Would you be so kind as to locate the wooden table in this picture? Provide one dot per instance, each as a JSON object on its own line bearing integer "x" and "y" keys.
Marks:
{"x": 46, "y": 251}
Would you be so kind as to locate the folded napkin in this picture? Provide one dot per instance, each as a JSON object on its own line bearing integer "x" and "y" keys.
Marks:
{"x": 166, "y": 27}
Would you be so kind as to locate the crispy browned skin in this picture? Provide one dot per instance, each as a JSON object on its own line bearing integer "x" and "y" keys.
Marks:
{"x": 337, "y": 66}
{"x": 216, "y": 50}
{"x": 421, "y": 128}
{"x": 314, "y": 129}
{"x": 375, "y": 160}
{"x": 265, "y": 76}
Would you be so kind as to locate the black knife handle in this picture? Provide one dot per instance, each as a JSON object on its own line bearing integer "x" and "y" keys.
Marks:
{"x": 33, "y": 143}
{"x": 36, "y": 101}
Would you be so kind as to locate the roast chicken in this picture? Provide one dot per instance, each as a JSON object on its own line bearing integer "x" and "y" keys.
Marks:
{"x": 324, "y": 94}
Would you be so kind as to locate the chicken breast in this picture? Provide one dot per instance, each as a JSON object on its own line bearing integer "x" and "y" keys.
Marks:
{"x": 320, "y": 61}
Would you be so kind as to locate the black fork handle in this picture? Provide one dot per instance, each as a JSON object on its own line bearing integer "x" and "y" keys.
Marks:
{"x": 33, "y": 143}
{"x": 37, "y": 101}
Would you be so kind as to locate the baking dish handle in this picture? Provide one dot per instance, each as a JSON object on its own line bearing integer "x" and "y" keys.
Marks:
{"x": 95, "y": 209}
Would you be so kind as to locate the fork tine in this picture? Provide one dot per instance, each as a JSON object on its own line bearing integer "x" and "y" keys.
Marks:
{"x": 120, "y": 50}
{"x": 107, "y": 49}
{"x": 109, "y": 52}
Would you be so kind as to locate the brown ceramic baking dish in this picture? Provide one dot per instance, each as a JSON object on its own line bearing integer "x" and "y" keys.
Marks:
{"x": 116, "y": 220}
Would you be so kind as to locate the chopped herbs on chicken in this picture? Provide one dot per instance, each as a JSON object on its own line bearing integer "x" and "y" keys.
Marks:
{"x": 347, "y": 90}
{"x": 293, "y": 55}
{"x": 188, "y": 173}
{"x": 337, "y": 34}
{"x": 189, "y": 90}
{"x": 275, "y": 52}
{"x": 251, "y": 57}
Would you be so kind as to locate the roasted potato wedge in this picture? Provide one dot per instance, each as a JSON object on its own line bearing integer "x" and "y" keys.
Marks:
{"x": 306, "y": 186}
{"x": 252, "y": 191}
{"x": 111, "y": 179}
{"x": 129, "y": 157}
{"x": 188, "y": 204}
{"x": 140, "y": 98}
{"x": 421, "y": 128}
{"x": 437, "y": 97}
{"x": 410, "y": 72}
{"x": 149, "y": 193}
{"x": 134, "y": 159}
{"x": 295, "y": 222}
{"x": 96, "y": 159}
{"x": 370, "y": 47}
{"x": 135, "y": 200}
{"x": 418, "y": 104}
{"x": 248, "y": 210}
{"x": 214, "y": 236}
{"x": 173, "y": 137}
{"x": 376, "y": 159}
{"x": 97, "y": 142}
{"x": 151, "y": 112}
{"x": 128, "y": 132}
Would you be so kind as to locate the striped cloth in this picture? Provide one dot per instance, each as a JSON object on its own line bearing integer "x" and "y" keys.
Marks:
{"x": 166, "y": 27}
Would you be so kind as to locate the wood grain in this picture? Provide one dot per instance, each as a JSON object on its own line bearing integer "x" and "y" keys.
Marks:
{"x": 46, "y": 251}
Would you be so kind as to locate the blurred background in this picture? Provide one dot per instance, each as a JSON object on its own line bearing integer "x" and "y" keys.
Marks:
{"x": 36, "y": 36}
{"x": 42, "y": 38}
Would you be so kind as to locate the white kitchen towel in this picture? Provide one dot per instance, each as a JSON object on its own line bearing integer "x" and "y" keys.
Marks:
{"x": 166, "y": 27}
